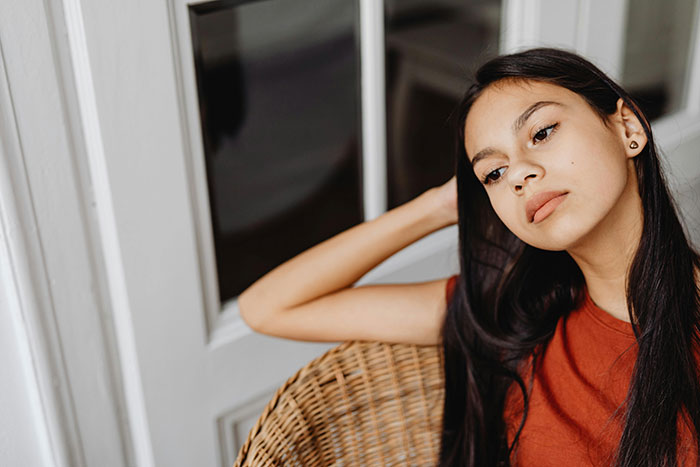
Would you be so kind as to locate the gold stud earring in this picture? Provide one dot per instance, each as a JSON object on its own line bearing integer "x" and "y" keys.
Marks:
{"x": 634, "y": 145}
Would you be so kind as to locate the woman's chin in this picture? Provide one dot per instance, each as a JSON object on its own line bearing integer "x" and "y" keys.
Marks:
{"x": 558, "y": 235}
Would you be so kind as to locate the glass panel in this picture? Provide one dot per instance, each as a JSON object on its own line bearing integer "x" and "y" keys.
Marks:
{"x": 432, "y": 48}
{"x": 278, "y": 85}
{"x": 657, "y": 46}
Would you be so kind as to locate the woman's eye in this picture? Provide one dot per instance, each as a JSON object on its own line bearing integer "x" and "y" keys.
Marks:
{"x": 492, "y": 176}
{"x": 543, "y": 133}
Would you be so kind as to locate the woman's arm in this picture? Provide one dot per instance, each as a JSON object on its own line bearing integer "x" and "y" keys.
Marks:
{"x": 310, "y": 297}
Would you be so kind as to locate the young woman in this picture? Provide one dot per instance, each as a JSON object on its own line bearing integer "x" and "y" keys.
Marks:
{"x": 572, "y": 333}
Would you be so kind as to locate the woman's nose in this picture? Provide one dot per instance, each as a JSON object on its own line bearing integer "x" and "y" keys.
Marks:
{"x": 522, "y": 173}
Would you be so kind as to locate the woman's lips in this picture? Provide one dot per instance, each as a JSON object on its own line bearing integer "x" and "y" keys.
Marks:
{"x": 543, "y": 204}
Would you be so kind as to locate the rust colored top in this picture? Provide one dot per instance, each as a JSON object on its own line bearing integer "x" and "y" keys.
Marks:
{"x": 583, "y": 378}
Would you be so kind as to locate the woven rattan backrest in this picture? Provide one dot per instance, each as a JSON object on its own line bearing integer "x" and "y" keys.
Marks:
{"x": 359, "y": 404}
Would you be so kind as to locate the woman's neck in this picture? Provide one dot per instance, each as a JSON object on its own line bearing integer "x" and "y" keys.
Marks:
{"x": 606, "y": 253}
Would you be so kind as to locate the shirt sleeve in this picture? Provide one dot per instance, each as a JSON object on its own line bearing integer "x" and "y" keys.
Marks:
{"x": 451, "y": 282}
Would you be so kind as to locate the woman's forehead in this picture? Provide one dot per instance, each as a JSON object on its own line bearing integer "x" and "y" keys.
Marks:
{"x": 511, "y": 95}
{"x": 502, "y": 102}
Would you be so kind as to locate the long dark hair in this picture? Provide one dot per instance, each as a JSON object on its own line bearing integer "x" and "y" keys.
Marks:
{"x": 510, "y": 296}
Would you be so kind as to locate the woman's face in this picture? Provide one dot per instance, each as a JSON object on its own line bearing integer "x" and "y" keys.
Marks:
{"x": 553, "y": 171}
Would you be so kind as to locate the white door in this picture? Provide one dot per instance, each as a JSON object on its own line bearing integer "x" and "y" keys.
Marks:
{"x": 190, "y": 377}
{"x": 195, "y": 376}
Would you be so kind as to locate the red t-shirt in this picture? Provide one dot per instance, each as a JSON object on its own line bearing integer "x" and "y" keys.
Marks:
{"x": 584, "y": 376}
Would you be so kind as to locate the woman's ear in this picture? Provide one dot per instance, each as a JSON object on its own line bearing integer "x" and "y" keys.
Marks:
{"x": 631, "y": 131}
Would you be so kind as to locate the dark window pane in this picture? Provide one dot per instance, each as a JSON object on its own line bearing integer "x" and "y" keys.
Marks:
{"x": 431, "y": 49}
{"x": 278, "y": 85}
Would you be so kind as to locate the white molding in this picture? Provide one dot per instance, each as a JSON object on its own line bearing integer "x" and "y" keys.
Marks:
{"x": 228, "y": 327}
{"x": 23, "y": 279}
{"x": 519, "y": 25}
{"x": 218, "y": 322}
{"x": 584, "y": 19}
{"x": 372, "y": 65}
{"x": 96, "y": 159}
{"x": 692, "y": 97}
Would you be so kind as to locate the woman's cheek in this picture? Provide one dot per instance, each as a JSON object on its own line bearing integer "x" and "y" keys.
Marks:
{"x": 509, "y": 217}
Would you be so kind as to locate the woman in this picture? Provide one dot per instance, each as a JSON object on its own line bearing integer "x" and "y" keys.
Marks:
{"x": 572, "y": 333}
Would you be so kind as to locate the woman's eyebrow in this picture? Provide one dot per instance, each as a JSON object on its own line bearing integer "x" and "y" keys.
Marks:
{"x": 483, "y": 154}
{"x": 520, "y": 121}
{"x": 517, "y": 125}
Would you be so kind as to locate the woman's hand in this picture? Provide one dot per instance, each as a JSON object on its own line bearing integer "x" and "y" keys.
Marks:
{"x": 446, "y": 199}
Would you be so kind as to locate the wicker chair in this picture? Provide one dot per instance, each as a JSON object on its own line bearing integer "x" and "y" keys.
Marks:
{"x": 359, "y": 404}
